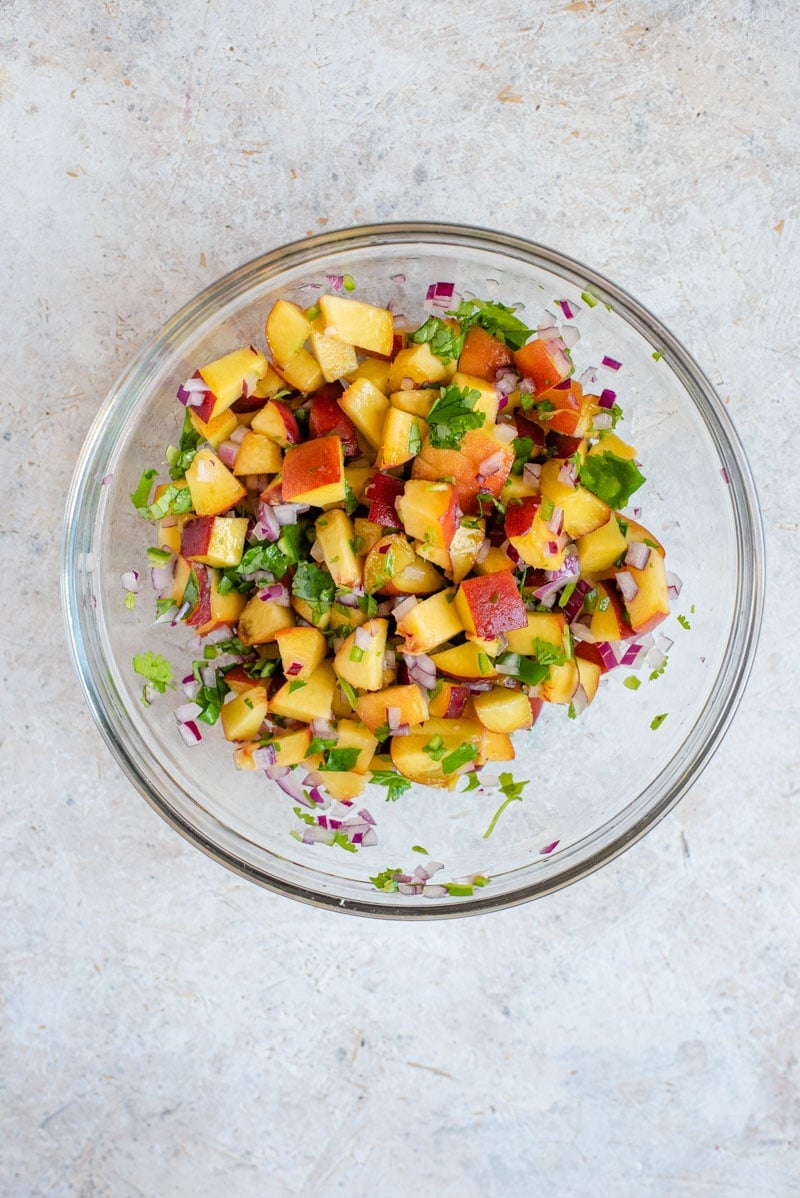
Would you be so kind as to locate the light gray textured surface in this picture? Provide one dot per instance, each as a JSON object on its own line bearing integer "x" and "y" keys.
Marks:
{"x": 170, "y": 1030}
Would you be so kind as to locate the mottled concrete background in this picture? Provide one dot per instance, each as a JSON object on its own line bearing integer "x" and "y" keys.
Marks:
{"x": 168, "y": 1029}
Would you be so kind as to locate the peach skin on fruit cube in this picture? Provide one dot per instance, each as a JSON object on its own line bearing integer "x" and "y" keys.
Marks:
{"x": 214, "y": 540}
{"x": 479, "y": 448}
{"x": 483, "y": 355}
{"x": 543, "y": 362}
{"x": 277, "y": 422}
{"x": 224, "y": 609}
{"x": 491, "y": 604}
{"x": 450, "y": 700}
{"x": 313, "y": 472}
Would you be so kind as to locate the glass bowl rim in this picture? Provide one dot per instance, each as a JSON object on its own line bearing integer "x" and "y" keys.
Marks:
{"x": 113, "y": 413}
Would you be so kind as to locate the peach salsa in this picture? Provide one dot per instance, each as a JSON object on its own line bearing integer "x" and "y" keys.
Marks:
{"x": 394, "y": 546}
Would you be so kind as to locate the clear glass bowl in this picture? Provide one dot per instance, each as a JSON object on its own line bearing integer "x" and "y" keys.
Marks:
{"x": 596, "y": 784}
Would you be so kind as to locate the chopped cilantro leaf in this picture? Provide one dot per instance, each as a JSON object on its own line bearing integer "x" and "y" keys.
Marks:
{"x": 501, "y": 321}
{"x": 349, "y": 693}
{"x": 610, "y": 478}
{"x": 386, "y": 880}
{"x": 274, "y": 556}
{"x": 350, "y": 500}
{"x": 548, "y": 654}
{"x": 458, "y": 757}
{"x": 174, "y": 501}
{"x": 452, "y": 416}
{"x": 444, "y": 341}
{"x": 414, "y": 439}
{"x": 395, "y": 783}
{"x": 163, "y": 605}
{"x": 181, "y": 457}
{"x": 684, "y": 623}
{"x": 529, "y": 672}
{"x": 211, "y": 698}
{"x": 541, "y": 408}
{"x": 522, "y": 447}
{"x": 263, "y": 667}
{"x": 417, "y": 848}
{"x": 368, "y": 604}
{"x": 296, "y": 685}
{"x": 513, "y": 792}
{"x": 320, "y": 744}
{"x": 316, "y": 586}
{"x": 658, "y": 720}
{"x": 155, "y": 669}
{"x": 340, "y": 759}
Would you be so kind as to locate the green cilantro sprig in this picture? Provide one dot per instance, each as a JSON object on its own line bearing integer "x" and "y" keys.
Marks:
{"x": 444, "y": 341}
{"x": 395, "y": 783}
{"x": 459, "y": 757}
{"x": 340, "y": 759}
{"x": 523, "y": 447}
{"x": 498, "y": 319}
{"x": 513, "y": 794}
{"x": 274, "y": 556}
{"x": 452, "y": 416}
{"x": 156, "y": 670}
{"x": 316, "y": 586}
{"x": 611, "y": 478}
{"x": 180, "y": 457}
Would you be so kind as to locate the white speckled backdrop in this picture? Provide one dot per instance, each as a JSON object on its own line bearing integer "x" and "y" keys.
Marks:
{"x": 170, "y": 1030}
